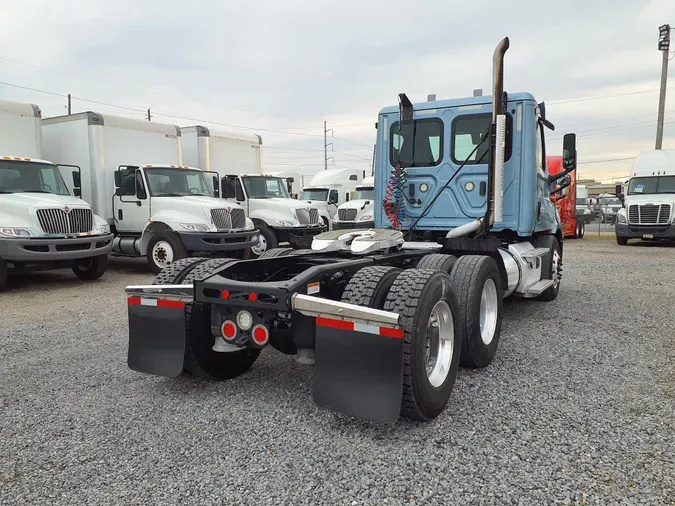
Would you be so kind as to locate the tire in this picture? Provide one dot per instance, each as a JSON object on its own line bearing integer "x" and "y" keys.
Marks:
{"x": 473, "y": 277}
{"x": 549, "y": 263}
{"x": 414, "y": 295}
{"x": 297, "y": 252}
{"x": 163, "y": 249}
{"x": 200, "y": 360}
{"x": 4, "y": 274}
{"x": 622, "y": 241}
{"x": 437, "y": 262}
{"x": 91, "y": 268}
{"x": 582, "y": 230}
{"x": 277, "y": 252}
{"x": 267, "y": 241}
{"x": 370, "y": 285}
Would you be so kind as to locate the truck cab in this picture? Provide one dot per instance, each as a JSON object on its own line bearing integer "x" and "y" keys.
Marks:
{"x": 648, "y": 210}
{"x": 359, "y": 211}
{"x": 329, "y": 189}
{"x": 278, "y": 217}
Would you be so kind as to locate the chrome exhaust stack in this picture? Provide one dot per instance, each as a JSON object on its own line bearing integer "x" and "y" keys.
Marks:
{"x": 498, "y": 136}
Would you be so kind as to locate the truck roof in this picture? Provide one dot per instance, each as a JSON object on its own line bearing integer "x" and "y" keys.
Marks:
{"x": 457, "y": 102}
{"x": 22, "y": 108}
{"x": 95, "y": 118}
{"x": 26, "y": 159}
{"x": 203, "y": 131}
{"x": 654, "y": 163}
{"x": 328, "y": 177}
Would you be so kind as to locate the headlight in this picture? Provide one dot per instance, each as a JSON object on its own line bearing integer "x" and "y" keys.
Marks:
{"x": 249, "y": 224}
{"x": 366, "y": 217}
{"x": 621, "y": 218}
{"x": 104, "y": 229}
{"x": 195, "y": 227}
{"x": 285, "y": 223}
{"x": 15, "y": 232}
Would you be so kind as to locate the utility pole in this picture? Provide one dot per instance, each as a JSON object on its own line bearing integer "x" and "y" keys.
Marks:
{"x": 326, "y": 144}
{"x": 149, "y": 118}
{"x": 664, "y": 46}
{"x": 69, "y": 108}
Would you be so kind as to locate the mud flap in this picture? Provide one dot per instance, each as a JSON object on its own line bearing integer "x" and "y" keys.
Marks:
{"x": 156, "y": 336}
{"x": 359, "y": 369}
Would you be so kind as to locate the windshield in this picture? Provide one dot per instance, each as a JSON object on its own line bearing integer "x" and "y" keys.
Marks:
{"x": 647, "y": 185}
{"x": 315, "y": 194}
{"x": 364, "y": 193}
{"x": 173, "y": 182}
{"x": 265, "y": 187}
{"x": 581, "y": 202}
{"x": 26, "y": 177}
{"x": 610, "y": 201}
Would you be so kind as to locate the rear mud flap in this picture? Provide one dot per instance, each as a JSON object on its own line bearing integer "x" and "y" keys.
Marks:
{"x": 359, "y": 369}
{"x": 156, "y": 336}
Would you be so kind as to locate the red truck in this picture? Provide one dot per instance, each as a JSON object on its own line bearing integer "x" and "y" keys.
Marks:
{"x": 572, "y": 227}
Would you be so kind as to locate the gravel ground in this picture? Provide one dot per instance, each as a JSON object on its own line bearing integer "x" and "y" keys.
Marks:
{"x": 578, "y": 407}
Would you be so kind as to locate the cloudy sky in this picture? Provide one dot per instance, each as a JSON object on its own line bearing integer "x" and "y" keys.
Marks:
{"x": 282, "y": 68}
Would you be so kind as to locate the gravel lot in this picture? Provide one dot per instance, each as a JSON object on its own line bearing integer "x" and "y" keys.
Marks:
{"x": 578, "y": 407}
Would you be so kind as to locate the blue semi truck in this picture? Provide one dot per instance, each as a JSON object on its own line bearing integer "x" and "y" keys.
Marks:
{"x": 386, "y": 315}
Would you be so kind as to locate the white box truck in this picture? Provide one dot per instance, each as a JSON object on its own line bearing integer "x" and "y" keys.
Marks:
{"x": 359, "y": 212}
{"x": 42, "y": 226}
{"x": 648, "y": 210}
{"x": 132, "y": 174}
{"x": 238, "y": 159}
{"x": 330, "y": 188}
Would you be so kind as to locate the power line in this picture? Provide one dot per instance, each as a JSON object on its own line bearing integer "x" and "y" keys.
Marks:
{"x": 607, "y": 160}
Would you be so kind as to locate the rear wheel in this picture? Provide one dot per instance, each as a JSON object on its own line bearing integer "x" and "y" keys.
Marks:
{"x": 266, "y": 240}
{"x": 91, "y": 268}
{"x": 370, "y": 285}
{"x": 429, "y": 311}
{"x": 437, "y": 262}
{"x": 479, "y": 288}
{"x": 200, "y": 359}
{"x": 582, "y": 229}
{"x": 276, "y": 252}
{"x": 4, "y": 274}
{"x": 163, "y": 249}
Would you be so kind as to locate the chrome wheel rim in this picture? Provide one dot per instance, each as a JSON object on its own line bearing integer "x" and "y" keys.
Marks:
{"x": 555, "y": 268}
{"x": 440, "y": 345}
{"x": 261, "y": 246}
{"x": 489, "y": 308}
{"x": 162, "y": 254}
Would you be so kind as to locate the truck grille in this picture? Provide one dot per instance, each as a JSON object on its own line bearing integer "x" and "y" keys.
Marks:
{"x": 57, "y": 221}
{"x": 649, "y": 214}
{"x": 226, "y": 220}
{"x": 307, "y": 216}
{"x": 347, "y": 214}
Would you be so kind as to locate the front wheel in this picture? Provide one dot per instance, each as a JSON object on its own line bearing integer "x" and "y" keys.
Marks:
{"x": 163, "y": 249}
{"x": 622, "y": 241}
{"x": 582, "y": 230}
{"x": 4, "y": 274}
{"x": 267, "y": 240}
{"x": 429, "y": 310}
{"x": 91, "y": 268}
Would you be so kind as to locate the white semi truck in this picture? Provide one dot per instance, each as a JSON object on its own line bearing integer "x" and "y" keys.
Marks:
{"x": 42, "y": 225}
{"x": 359, "y": 212}
{"x": 648, "y": 211}
{"x": 238, "y": 159}
{"x": 330, "y": 188}
{"x": 132, "y": 174}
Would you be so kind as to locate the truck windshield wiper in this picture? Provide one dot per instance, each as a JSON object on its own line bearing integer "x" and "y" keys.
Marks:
{"x": 170, "y": 195}
{"x": 34, "y": 191}
{"x": 3, "y": 191}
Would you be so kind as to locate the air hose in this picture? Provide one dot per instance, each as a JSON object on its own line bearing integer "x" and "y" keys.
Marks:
{"x": 394, "y": 201}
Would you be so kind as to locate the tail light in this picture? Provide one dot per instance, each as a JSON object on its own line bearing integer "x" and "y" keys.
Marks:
{"x": 229, "y": 330}
{"x": 260, "y": 334}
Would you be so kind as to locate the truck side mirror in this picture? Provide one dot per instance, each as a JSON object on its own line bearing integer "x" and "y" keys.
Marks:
{"x": 569, "y": 152}
{"x": 290, "y": 180}
{"x": 618, "y": 190}
{"x": 216, "y": 190}
{"x": 119, "y": 179}
{"x": 76, "y": 179}
{"x": 119, "y": 191}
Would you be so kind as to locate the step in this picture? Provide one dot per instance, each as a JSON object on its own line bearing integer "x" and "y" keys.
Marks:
{"x": 539, "y": 287}
{"x": 535, "y": 253}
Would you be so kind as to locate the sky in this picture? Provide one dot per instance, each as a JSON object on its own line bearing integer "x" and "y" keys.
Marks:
{"x": 282, "y": 68}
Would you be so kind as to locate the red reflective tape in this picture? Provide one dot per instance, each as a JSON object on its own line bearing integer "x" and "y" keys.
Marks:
{"x": 134, "y": 301}
{"x": 336, "y": 324}
{"x": 394, "y": 333}
{"x": 176, "y": 304}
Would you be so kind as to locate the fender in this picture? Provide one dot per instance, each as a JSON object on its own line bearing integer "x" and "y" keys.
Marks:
{"x": 167, "y": 220}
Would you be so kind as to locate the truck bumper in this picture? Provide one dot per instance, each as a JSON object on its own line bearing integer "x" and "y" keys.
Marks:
{"x": 219, "y": 241}
{"x": 344, "y": 225}
{"x": 49, "y": 250}
{"x": 628, "y": 231}
{"x": 300, "y": 237}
